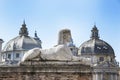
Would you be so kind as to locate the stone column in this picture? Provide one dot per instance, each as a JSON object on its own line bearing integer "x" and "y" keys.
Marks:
{"x": 97, "y": 77}
{"x": 101, "y": 76}
{"x": 111, "y": 77}
{"x": 116, "y": 77}
{"x": 94, "y": 76}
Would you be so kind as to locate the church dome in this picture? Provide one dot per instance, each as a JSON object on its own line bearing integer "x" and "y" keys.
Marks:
{"x": 23, "y": 41}
{"x": 95, "y": 45}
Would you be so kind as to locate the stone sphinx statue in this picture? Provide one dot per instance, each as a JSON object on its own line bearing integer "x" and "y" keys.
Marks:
{"x": 57, "y": 53}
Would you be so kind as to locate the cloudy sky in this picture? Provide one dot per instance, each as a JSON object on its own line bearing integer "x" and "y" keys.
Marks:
{"x": 47, "y": 17}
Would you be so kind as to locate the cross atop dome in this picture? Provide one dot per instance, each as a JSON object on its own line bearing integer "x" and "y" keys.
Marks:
{"x": 95, "y": 34}
{"x": 23, "y": 30}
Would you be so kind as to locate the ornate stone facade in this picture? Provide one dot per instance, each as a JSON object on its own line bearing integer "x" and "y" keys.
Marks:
{"x": 95, "y": 59}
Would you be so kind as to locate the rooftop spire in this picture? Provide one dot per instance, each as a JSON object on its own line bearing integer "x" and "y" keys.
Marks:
{"x": 37, "y": 38}
{"x": 23, "y": 30}
{"x": 36, "y": 34}
{"x": 24, "y": 23}
{"x": 94, "y": 33}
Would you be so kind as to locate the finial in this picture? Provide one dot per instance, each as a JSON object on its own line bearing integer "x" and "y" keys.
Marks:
{"x": 95, "y": 26}
{"x": 36, "y": 34}
{"x": 23, "y": 30}
{"x": 94, "y": 32}
{"x": 24, "y": 23}
{"x": 37, "y": 38}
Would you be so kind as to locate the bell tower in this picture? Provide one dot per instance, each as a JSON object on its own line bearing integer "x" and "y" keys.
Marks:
{"x": 94, "y": 34}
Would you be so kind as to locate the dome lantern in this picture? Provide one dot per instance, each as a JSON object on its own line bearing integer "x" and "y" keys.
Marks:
{"x": 94, "y": 33}
{"x": 23, "y": 30}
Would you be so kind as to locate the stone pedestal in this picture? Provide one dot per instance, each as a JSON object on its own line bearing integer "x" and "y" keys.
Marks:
{"x": 47, "y": 70}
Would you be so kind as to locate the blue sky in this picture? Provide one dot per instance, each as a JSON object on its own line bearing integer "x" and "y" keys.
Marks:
{"x": 50, "y": 16}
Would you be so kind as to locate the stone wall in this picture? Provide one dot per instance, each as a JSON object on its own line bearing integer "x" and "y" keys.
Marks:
{"x": 46, "y": 71}
{"x": 44, "y": 76}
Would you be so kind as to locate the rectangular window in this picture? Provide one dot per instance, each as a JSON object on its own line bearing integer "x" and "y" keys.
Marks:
{"x": 17, "y": 55}
{"x": 101, "y": 58}
{"x": 9, "y": 56}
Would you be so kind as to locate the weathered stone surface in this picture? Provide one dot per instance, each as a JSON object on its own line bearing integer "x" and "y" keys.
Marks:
{"x": 46, "y": 71}
{"x": 44, "y": 76}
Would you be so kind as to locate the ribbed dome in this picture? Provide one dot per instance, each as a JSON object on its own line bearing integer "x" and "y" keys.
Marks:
{"x": 95, "y": 45}
{"x": 23, "y": 41}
